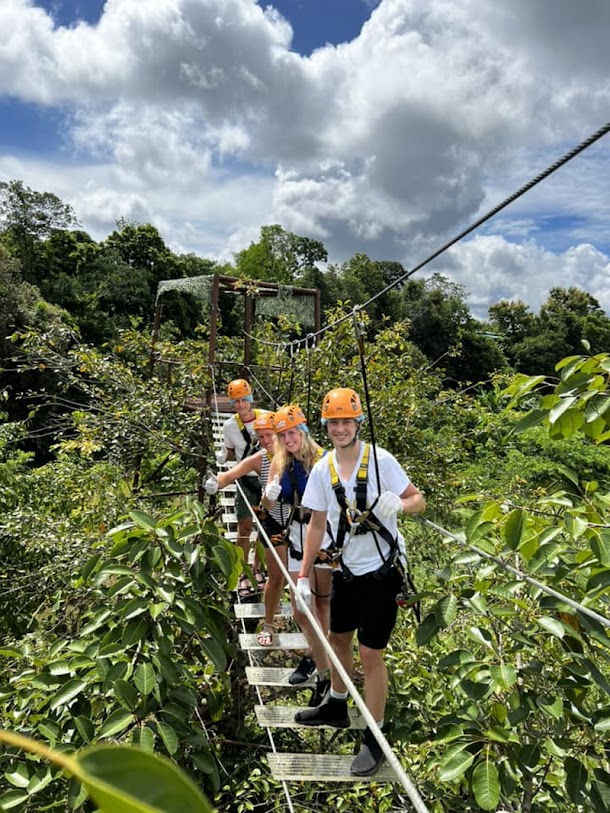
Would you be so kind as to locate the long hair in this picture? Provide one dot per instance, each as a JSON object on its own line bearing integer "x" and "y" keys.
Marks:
{"x": 308, "y": 454}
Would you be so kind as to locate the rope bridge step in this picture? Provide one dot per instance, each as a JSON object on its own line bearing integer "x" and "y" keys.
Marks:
{"x": 283, "y": 640}
{"x": 321, "y": 768}
{"x": 258, "y": 610}
{"x": 283, "y": 717}
{"x": 274, "y": 676}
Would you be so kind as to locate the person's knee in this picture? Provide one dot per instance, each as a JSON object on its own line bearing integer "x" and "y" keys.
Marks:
{"x": 371, "y": 658}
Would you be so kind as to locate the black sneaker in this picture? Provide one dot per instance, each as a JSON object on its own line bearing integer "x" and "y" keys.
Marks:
{"x": 303, "y": 672}
{"x": 321, "y": 689}
{"x": 333, "y": 713}
{"x": 369, "y": 758}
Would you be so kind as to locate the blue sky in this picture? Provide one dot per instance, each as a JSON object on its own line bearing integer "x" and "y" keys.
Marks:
{"x": 382, "y": 127}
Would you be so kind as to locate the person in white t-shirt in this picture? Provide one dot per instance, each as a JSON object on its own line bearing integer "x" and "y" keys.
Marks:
{"x": 239, "y": 443}
{"x": 343, "y": 491}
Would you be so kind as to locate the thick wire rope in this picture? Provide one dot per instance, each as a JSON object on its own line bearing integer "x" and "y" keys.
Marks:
{"x": 491, "y": 213}
{"x": 517, "y": 573}
{"x": 391, "y": 757}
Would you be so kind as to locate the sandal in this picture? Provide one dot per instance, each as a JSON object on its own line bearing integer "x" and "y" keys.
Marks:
{"x": 244, "y": 588}
{"x": 265, "y": 636}
{"x": 260, "y": 578}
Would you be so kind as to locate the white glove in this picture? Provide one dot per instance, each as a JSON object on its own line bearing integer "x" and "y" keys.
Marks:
{"x": 273, "y": 489}
{"x": 388, "y": 505}
{"x": 304, "y": 591}
{"x": 221, "y": 457}
{"x": 211, "y": 484}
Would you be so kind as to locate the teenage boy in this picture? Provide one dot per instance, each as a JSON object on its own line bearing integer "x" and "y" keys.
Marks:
{"x": 343, "y": 489}
{"x": 240, "y": 442}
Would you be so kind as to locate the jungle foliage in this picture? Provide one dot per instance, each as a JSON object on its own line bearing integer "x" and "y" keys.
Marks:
{"x": 114, "y": 592}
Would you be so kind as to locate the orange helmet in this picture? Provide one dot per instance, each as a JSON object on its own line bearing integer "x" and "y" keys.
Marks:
{"x": 288, "y": 417}
{"x": 238, "y": 389}
{"x": 264, "y": 420}
{"x": 341, "y": 403}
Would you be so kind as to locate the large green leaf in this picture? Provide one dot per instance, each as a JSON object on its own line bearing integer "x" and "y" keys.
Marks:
{"x": 503, "y": 675}
{"x": 486, "y": 784}
{"x": 130, "y": 780}
{"x": 514, "y": 528}
{"x": 455, "y": 762}
{"x": 143, "y": 520}
{"x": 576, "y": 780}
{"x": 214, "y": 652}
{"x": 68, "y": 692}
{"x": 445, "y": 611}
{"x": 116, "y": 722}
{"x": 145, "y": 678}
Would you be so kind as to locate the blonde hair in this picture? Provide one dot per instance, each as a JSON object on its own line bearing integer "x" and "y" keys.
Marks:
{"x": 308, "y": 454}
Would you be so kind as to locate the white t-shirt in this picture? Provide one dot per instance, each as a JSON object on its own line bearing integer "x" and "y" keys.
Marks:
{"x": 360, "y": 552}
{"x": 234, "y": 439}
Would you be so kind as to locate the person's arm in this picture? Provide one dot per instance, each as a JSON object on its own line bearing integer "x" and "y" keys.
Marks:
{"x": 413, "y": 501}
{"x": 314, "y": 537}
{"x": 245, "y": 466}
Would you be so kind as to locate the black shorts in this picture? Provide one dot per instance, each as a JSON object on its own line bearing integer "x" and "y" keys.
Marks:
{"x": 252, "y": 489}
{"x": 365, "y": 604}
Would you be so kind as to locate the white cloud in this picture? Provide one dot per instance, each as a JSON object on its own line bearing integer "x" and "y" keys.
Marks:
{"x": 197, "y": 116}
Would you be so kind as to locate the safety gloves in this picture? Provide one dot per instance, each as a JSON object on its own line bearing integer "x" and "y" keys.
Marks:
{"x": 388, "y": 505}
{"x": 273, "y": 489}
{"x": 304, "y": 591}
{"x": 211, "y": 484}
{"x": 221, "y": 457}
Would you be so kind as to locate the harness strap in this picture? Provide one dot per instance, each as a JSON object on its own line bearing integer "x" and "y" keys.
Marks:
{"x": 251, "y": 443}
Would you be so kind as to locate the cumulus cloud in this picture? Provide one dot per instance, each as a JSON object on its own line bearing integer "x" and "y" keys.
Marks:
{"x": 198, "y": 116}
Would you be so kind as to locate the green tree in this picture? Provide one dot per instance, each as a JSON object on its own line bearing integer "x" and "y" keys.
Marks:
{"x": 280, "y": 256}
{"x": 28, "y": 217}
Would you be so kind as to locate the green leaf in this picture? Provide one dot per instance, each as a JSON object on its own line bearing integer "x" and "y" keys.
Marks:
{"x": 145, "y": 678}
{"x": 426, "y": 630}
{"x": 445, "y": 611}
{"x": 454, "y": 762}
{"x": 130, "y": 780}
{"x": 85, "y": 728}
{"x": 503, "y": 675}
{"x": 143, "y": 520}
{"x": 485, "y": 784}
{"x": 12, "y": 798}
{"x": 576, "y": 780}
{"x": 214, "y": 652}
{"x": 68, "y": 692}
{"x": 552, "y": 625}
{"x": 600, "y": 545}
{"x": 533, "y": 418}
{"x": 553, "y": 706}
{"x": 125, "y": 694}
{"x": 96, "y": 622}
{"x": 224, "y": 559}
{"x": 134, "y": 632}
{"x": 514, "y": 528}
{"x": 12, "y": 652}
{"x": 169, "y": 737}
{"x": 559, "y": 409}
{"x": 116, "y": 722}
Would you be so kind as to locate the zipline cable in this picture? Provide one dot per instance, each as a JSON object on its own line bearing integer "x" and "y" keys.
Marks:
{"x": 516, "y": 572}
{"x": 491, "y": 213}
{"x": 391, "y": 757}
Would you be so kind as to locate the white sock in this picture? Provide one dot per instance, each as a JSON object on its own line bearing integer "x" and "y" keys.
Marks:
{"x": 338, "y": 695}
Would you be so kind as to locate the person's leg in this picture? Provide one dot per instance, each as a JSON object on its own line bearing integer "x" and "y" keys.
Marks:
{"x": 316, "y": 647}
{"x": 375, "y": 680}
{"x": 275, "y": 583}
{"x": 342, "y": 645}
